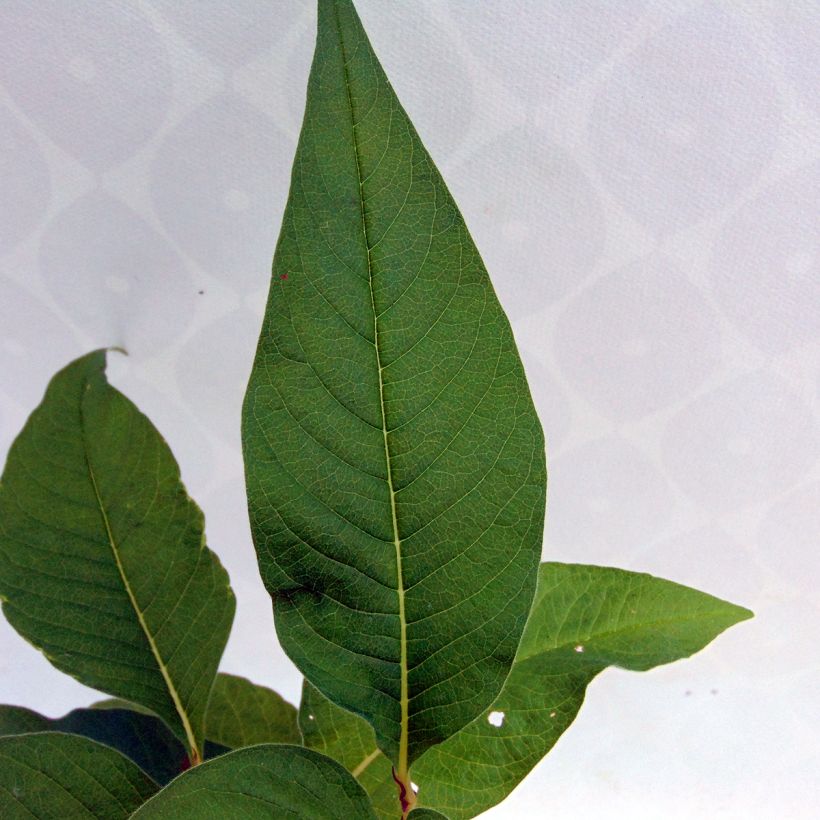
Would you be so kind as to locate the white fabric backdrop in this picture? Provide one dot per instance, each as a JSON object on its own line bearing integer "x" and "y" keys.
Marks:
{"x": 643, "y": 180}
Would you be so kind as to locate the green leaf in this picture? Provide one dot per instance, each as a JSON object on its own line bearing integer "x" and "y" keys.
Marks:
{"x": 427, "y": 814}
{"x": 144, "y": 739}
{"x": 618, "y": 618}
{"x": 53, "y": 775}
{"x": 584, "y": 619}
{"x": 267, "y": 782}
{"x": 347, "y": 738}
{"x": 394, "y": 460}
{"x": 242, "y": 713}
{"x": 103, "y": 563}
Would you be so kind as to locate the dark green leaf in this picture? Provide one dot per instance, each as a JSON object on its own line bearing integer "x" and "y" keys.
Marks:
{"x": 145, "y": 739}
{"x": 427, "y": 814}
{"x": 394, "y": 461}
{"x": 103, "y": 563}
{"x": 584, "y": 619}
{"x": 269, "y": 782}
{"x": 347, "y": 738}
{"x": 242, "y": 713}
{"x": 55, "y": 776}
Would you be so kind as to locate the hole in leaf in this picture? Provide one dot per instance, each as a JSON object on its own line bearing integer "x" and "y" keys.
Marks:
{"x": 496, "y": 719}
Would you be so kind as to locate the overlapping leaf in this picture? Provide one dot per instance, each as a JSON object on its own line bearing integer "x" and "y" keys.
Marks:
{"x": 53, "y": 775}
{"x": 268, "y": 782}
{"x": 242, "y": 713}
{"x": 347, "y": 738}
{"x": 142, "y": 738}
{"x": 584, "y": 619}
{"x": 103, "y": 563}
{"x": 394, "y": 461}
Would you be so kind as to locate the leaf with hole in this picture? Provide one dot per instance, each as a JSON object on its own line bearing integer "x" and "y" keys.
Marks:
{"x": 394, "y": 460}
{"x": 584, "y": 619}
{"x": 103, "y": 562}
{"x": 349, "y": 739}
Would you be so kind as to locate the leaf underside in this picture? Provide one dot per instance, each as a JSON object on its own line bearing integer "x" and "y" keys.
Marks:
{"x": 347, "y": 738}
{"x": 142, "y": 738}
{"x": 268, "y": 782}
{"x": 53, "y": 775}
{"x": 584, "y": 619}
{"x": 394, "y": 461}
{"x": 241, "y": 713}
{"x": 103, "y": 563}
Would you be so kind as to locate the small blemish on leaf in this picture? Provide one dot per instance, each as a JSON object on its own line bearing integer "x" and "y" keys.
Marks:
{"x": 311, "y": 717}
{"x": 496, "y": 719}
{"x": 553, "y": 714}
{"x": 579, "y": 648}
{"x": 283, "y": 276}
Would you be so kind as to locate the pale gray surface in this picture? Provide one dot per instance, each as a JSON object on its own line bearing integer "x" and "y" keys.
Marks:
{"x": 643, "y": 180}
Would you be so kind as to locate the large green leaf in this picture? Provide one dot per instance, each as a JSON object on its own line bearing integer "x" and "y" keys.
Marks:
{"x": 394, "y": 461}
{"x": 347, "y": 738}
{"x": 53, "y": 775}
{"x": 584, "y": 619}
{"x": 145, "y": 739}
{"x": 268, "y": 782}
{"x": 242, "y": 713}
{"x": 103, "y": 562}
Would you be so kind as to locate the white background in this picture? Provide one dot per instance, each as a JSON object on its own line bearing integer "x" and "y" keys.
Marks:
{"x": 643, "y": 181}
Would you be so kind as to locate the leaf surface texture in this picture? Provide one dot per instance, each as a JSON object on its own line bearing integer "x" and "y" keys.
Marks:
{"x": 103, "y": 562}
{"x": 242, "y": 713}
{"x": 394, "y": 460}
{"x": 268, "y": 782}
{"x": 53, "y": 775}
{"x": 584, "y": 619}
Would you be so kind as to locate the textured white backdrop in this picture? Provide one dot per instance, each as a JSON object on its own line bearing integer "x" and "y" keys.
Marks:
{"x": 643, "y": 180}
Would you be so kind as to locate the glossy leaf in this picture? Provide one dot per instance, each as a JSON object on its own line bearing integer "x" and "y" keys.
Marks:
{"x": 584, "y": 619}
{"x": 394, "y": 461}
{"x": 53, "y": 775}
{"x": 142, "y": 738}
{"x": 103, "y": 563}
{"x": 242, "y": 713}
{"x": 268, "y": 782}
{"x": 347, "y": 738}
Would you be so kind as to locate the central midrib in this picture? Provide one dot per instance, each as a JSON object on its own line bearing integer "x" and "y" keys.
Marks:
{"x": 163, "y": 669}
{"x": 402, "y": 769}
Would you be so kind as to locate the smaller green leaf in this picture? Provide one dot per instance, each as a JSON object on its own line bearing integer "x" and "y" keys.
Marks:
{"x": 53, "y": 775}
{"x": 345, "y": 737}
{"x": 584, "y": 619}
{"x": 103, "y": 561}
{"x": 268, "y": 782}
{"x": 241, "y": 713}
{"x": 141, "y": 737}
{"x": 427, "y": 814}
